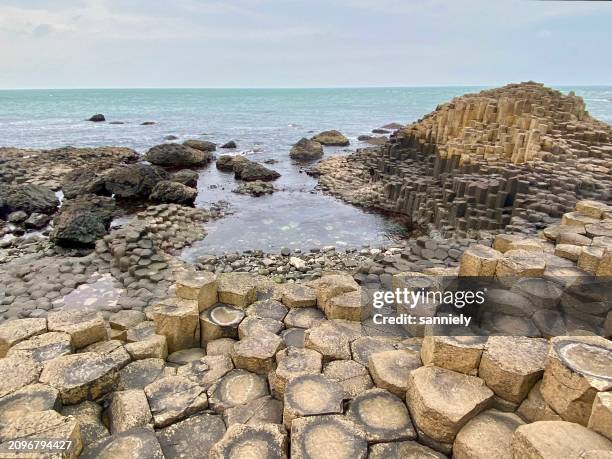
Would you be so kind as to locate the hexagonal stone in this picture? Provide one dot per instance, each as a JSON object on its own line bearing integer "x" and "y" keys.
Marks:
{"x": 151, "y": 347}
{"x": 331, "y": 286}
{"x": 382, "y": 416}
{"x": 79, "y": 377}
{"x": 22, "y": 371}
{"x": 88, "y": 414}
{"x": 220, "y": 321}
{"x": 292, "y": 362}
{"x": 185, "y": 356}
{"x": 479, "y": 260}
{"x": 178, "y": 320}
{"x": 338, "y": 434}
{"x": 192, "y": 438}
{"x": 604, "y": 268}
{"x": 113, "y": 349}
{"x": 502, "y": 242}
{"x": 555, "y": 439}
{"x": 85, "y": 326}
{"x": 311, "y": 395}
{"x": 403, "y": 450}
{"x": 487, "y": 435}
{"x": 256, "y": 352}
{"x": 135, "y": 443}
{"x": 348, "y": 306}
{"x": 511, "y": 365}
{"x": 352, "y": 376}
{"x": 141, "y": 331}
{"x": 534, "y": 407}
{"x": 457, "y": 353}
{"x": 265, "y": 441}
{"x": 32, "y": 398}
{"x": 207, "y": 370}
{"x": 126, "y": 319}
{"x": 332, "y": 339}
{"x": 174, "y": 398}
{"x": 221, "y": 346}
{"x": 502, "y": 301}
{"x": 41, "y": 348}
{"x": 442, "y": 401}
{"x": 236, "y": 289}
{"x": 390, "y": 369}
{"x": 601, "y": 415}
{"x": 236, "y": 388}
{"x": 253, "y": 325}
{"x": 304, "y": 317}
{"x": 47, "y": 425}
{"x": 577, "y": 219}
{"x": 520, "y": 263}
{"x": 294, "y": 337}
{"x": 267, "y": 309}
{"x": 299, "y": 296}
{"x": 141, "y": 373}
{"x": 364, "y": 346}
{"x": 14, "y": 331}
{"x": 577, "y": 369}
{"x": 593, "y": 209}
{"x": 200, "y": 286}
{"x": 541, "y": 293}
{"x": 128, "y": 409}
{"x": 264, "y": 410}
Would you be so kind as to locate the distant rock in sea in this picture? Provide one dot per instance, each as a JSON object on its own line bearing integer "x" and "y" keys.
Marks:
{"x": 97, "y": 118}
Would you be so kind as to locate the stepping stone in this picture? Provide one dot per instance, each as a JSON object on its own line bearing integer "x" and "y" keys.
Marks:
{"x": 207, "y": 370}
{"x": 266, "y": 441}
{"x": 298, "y": 296}
{"x": 178, "y": 321}
{"x": 88, "y": 414}
{"x": 126, "y": 319}
{"x": 41, "y": 348}
{"x": 185, "y": 356}
{"x": 236, "y": 289}
{"x": 141, "y": 331}
{"x": 303, "y": 317}
{"x": 577, "y": 369}
{"x": 363, "y": 347}
{"x": 352, "y": 376}
{"x": 47, "y": 425}
{"x": 486, "y": 436}
{"x": 331, "y": 286}
{"x": 221, "y": 346}
{"x": 200, "y": 287}
{"x": 332, "y": 339}
{"x": 390, "y": 369}
{"x": 264, "y": 410}
{"x": 311, "y": 395}
{"x": 403, "y": 450}
{"x": 80, "y": 377}
{"x": 139, "y": 374}
{"x": 253, "y": 325}
{"x": 556, "y": 439}
{"x": 256, "y": 352}
{"x": 15, "y": 331}
{"x": 479, "y": 260}
{"x": 238, "y": 387}
{"x": 341, "y": 438}
{"x": 174, "y": 398}
{"x": 135, "y": 443}
{"x": 293, "y": 337}
{"x": 292, "y": 362}
{"x": 85, "y": 326}
{"x": 456, "y": 353}
{"x": 601, "y": 416}
{"x": 220, "y": 321}
{"x": 534, "y": 407}
{"x": 32, "y": 398}
{"x": 192, "y": 438}
{"x": 442, "y": 401}
{"x": 113, "y": 349}
{"x": 511, "y": 365}
{"x": 382, "y": 416}
{"x": 152, "y": 347}
{"x": 267, "y": 309}
{"x": 128, "y": 409}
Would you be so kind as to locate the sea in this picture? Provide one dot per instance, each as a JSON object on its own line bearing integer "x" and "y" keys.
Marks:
{"x": 264, "y": 123}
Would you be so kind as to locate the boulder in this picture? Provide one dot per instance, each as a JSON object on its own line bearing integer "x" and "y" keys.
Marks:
{"x": 202, "y": 145}
{"x": 138, "y": 442}
{"x": 85, "y": 326}
{"x": 192, "y": 438}
{"x": 173, "y": 192}
{"x": 28, "y": 198}
{"x": 185, "y": 177}
{"x": 249, "y": 171}
{"x": 255, "y": 188}
{"x": 390, "y": 369}
{"x": 15, "y": 331}
{"x": 331, "y": 138}
{"x": 133, "y": 181}
{"x": 341, "y": 437}
{"x": 306, "y": 150}
{"x": 259, "y": 441}
{"x": 230, "y": 144}
{"x": 82, "y": 221}
{"x": 311, "y": 395}
{"x": 174, "y": 398}
{"x": 176, "y": 155}
{"x": 226, "y": 162}
{"x": 37, "y": 221}
{"x": 237, "y": 387}
{"x": 97, "y": 118}
{"x": 82, "y": 181}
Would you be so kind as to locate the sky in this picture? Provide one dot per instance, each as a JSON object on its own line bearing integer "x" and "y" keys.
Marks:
{"x": 302, "y": 43}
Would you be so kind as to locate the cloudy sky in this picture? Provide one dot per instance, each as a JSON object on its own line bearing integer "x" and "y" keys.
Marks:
{"x": 303, "y": 43}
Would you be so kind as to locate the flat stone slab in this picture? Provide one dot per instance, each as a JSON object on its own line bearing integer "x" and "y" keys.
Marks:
{"x": 341, "y": 437}
{"x": 174, "y": 398}
{"x": 382, "y": 416}
{"x": 14, "y": 331}
{"x": 303, "y": 317}
{"x": 237, "y": 388}
{"x": 136, "y": 443}
{"x": 292, "y": 362}
{"x": 390, "y": 369}
{"x": 80, "y": 377}
{"x": 139, "y": 374}
{"x": 403, "y": 450}
{"x": 267, "y": 309}
{"x": 363, "y": 347}
{"x": 85, "y": 326}
{"x": 264, "y": 410}
{"x": 299, "y": 296}
{"x": 352, "y": 376}
{"x": 41, "y": 348}
{"x": 113, "y": 349}
{"x": 192, "y": 438}
{"x": 332, "y": 339}
{"x": 311, "y": 395}
{"x": 32, "y": 398}
{"x": 256, "y": 352}
{"x": 253, "y": 325}
{"x": 207, "y": 370}
{"x": 266, "y": 441}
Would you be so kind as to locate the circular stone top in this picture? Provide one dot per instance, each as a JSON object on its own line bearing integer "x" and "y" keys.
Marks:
{"x": 226, "y": 315}
{"x": 586, "y": 359}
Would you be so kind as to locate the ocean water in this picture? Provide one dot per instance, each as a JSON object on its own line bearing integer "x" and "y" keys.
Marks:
{"x": 264, "y": 123}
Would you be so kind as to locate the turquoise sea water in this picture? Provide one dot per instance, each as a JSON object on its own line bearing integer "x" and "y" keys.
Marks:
{"x": 264, "y": 123}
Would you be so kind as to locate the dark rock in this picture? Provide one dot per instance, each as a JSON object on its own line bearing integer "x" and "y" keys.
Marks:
{"x": 27, "y": 197}
{"x": 226, "y": 162}
{"x": 133, "y": 181}
{"x": 175, "y": 155}
{"x": 306, "y": 150}
{"x": 363, "y": 138}
{"x": 17, "y": 217}
{"x": 171, "y": 137}
{"x": 230, "y": 144}
{"x": 186, "y": 176}
{"x": 393, "y": 126}
{"x": 82, "y": 221}
{"x": 116, "y": 122}
{"x": 331, "y": 138}
{"x": 202, "y": 145}
{"x": 380, "y": 131}
{"x": 168, "y": 192}
{"x": 148, "y": 123}
{"x": 37, "y": 221}
{"x": 97, "y": 118}
{"x": 83, "y": 181}
{"x": 248, "y": 170}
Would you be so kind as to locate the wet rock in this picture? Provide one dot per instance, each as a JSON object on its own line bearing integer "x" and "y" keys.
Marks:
{"x": 256, "y": 352}
{"x": 202, "y": 145}
{"x": 15, "y": 331}
{"x": 128, "y": 409}
{"x": 220, "y": 321}
{"x": 390, "y": 369}
{"x": 172, "y": 192}
{"x": 201, "y": 286}
{"x": 382, "y": 416}
{"x": 139, "y": 442}
{"x": 28, "y": 198}
{"x": 97, "y": 118}
{"x": 80, "y": 377}
{"x": 82, "y": 181}
{"x": 151, "y": 347}
{"x": 337, "y": 433}
{"x": 331, "y": 138}
{"x": 457, "y": 353}
{"x": 174, "y": 398}
{"x": 264, "y": 410}
{"x": 133, "y": 181}
{"x": 30, "y": 399}
{"x": 82, "y": 221}
{"x": 171, "y": 137}
{"x": 192, "y": 438}
{"x": 352, "y": 376}
{"x": 266, "y": 441}
{"x": 178, "y": 320}
{"x": 306, "y": 150}
{"x": 230, "y": 144}
{"x": 207, "y": 370}
{"x": 226, "y": 162}
{"x": 85, "y": 326}
{"x": 22, "y": 371}
{"x": 601, "y": 415}
{"x": 311, "y": 395}
{"x": 185, "y": 177}
{"x": 139, "y": 374}
{"x": 403, "y": 450}
{"x": 37, "y": 221}
{"x": 236, "y": 388}
{"x": 88, "y": 414}
{"x": 175, "y": 155}
{"x": 249, "y": 171}
{"x": 292, "y": 362}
